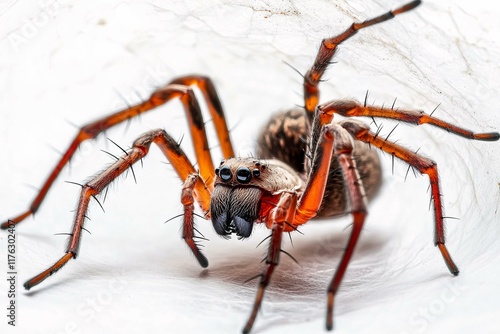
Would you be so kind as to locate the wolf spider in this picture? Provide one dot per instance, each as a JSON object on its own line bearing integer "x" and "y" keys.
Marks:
{"x": 332, "y": 172}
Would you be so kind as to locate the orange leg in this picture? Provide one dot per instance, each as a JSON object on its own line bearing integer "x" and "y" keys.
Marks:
{"x": 327, "y": 51}
{"x": 350, "y": 108}
{"x": 311, "y": 199}
{"x": 187, "y": 200}
{"x": 182, "y": 166}
{"x": 214, "y": 106}
{"x": 281, "y": 214}
{"x": 425, "y": 166}
{"x": 361, "y": 132}
{"x": 334, "y": 139}
{"x": 159, "y": 97}
{"x": 356, "y": 196}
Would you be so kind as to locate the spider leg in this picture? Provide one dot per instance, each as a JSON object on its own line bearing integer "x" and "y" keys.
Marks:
{"x": 282, "y": 214}
{"x": 178, "y": 88}
{"x": 356, "y": 195}
{"x": 349, "y": 108}
{"x": 182, "y": 166}
{"x": 334, "y": 139}
{"x": 362, "y": 132}
{"x": 187, "y": 200}
{"x": 327, "y": 51}
{"x": 214, "y": 106}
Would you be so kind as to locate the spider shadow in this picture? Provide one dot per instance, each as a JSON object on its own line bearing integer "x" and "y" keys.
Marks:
{"x": 318, "y": 256}
{"x": 76, "y": 275}
{"x": 303, "y": 286}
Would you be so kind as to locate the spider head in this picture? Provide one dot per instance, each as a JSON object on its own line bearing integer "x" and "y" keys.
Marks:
{"x": 236, "y": 199}
{"x": 245, "y": 192}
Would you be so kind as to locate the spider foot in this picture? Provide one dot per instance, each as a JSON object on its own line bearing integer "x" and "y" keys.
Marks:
{"x": 202, "y": 260}
{"x": 12, "y": 222}
{"x": 329, "y": 311}
{"x": 489, "y": 136}
{"x": 447, "y": 258}
{"x": 48, "y": 272}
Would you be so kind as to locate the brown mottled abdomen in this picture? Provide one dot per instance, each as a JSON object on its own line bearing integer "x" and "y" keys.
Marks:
{"x": 285, "y": 138}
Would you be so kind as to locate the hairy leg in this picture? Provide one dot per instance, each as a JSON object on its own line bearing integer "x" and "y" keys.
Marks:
{"x": 91, "y": 189}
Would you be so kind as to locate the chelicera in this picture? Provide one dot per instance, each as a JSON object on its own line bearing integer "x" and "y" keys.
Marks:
{"x": 309, "y": 165}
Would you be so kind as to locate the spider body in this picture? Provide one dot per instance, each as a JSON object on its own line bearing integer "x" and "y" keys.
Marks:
{"x": 309, "y": 165}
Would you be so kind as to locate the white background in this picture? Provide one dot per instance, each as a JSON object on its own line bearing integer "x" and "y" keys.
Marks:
{"x": 64, "y": 63}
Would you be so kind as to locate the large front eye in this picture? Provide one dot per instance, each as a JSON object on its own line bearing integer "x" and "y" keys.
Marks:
{"x": 243, "y": 174}
{"x": 225, "y": 173}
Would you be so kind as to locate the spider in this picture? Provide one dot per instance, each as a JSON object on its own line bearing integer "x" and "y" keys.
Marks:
{"x": 309, "y": 165}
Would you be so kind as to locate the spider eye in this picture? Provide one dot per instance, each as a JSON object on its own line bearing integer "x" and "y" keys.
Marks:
{"x": 225, "y": 173}
{"x": 243, "y": 174}
{"x": 256, "y": 172}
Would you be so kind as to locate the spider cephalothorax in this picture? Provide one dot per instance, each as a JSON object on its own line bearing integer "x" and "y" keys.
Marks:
{"x": 309, "y": 165}
{"x": 245, "y": 190}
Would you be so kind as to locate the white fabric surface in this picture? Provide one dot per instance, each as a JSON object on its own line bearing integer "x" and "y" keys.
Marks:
{"x": 77, "y": 61}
